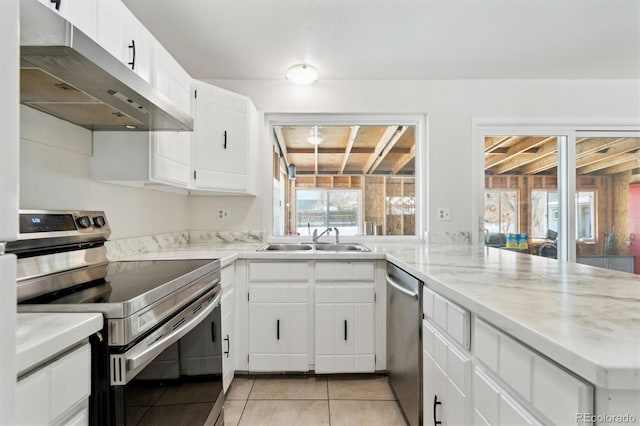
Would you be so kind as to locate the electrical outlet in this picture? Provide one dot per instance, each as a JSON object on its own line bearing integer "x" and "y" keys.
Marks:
{"x": 223, "y": 214}
{"x": 444, "y": 213}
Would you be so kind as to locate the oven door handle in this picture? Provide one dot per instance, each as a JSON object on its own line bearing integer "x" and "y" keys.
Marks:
{"x": 181, "y": 328}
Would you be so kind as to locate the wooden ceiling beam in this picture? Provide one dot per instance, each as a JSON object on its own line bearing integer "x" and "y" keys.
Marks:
{"x": 388, "y": 147}
{"x": 402, "y": 161}
{"x": 588, "y": 146}
{"x": 624, "y": 146}
{"x": 347, "y": 151}
{"x": 618, "y": 168}
{"x": 609, "y": 162}
{"x": 492, "y": 143}
{"x": 382, "y": 142}
{"x": 544, "y": 157}
{"x": 519, "y": 147}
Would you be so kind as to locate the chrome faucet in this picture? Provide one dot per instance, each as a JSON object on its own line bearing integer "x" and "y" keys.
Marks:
{"x": 316, "y": 236}
{"x": 337, "y": 235}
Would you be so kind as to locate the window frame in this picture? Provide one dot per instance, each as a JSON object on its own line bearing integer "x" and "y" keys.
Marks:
{"x": 348, "y": 119}
{"x": 567, "y": 130}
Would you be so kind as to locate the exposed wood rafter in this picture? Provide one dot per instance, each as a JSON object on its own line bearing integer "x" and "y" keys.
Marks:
{"x": 404, "y": 160}
{"x": 525, "y": 144}
{"x": 545, "y": 158}
{"x": 380, "y": 145}
{"x": 352, "y": 137}
{"x": 387, "y": 148}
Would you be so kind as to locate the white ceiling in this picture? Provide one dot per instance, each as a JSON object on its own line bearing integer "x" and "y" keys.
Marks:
{"x": 399, "y": 39}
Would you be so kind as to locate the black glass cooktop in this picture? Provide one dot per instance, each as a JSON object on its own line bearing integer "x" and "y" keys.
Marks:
{"x": 119, "y": 282}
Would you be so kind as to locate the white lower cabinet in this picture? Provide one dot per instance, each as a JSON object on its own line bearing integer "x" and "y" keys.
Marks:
{"x": 494, "y": 406}
{"x": 278, "y": 327}
{"x": 345, "y": 328}
{"x": 227, "y": 307}
{"x": 446, "y": 380}
{"x": 56, "y": 393}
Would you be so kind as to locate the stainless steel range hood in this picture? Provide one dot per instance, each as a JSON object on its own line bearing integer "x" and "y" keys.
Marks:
{"x": 67, "y": 74}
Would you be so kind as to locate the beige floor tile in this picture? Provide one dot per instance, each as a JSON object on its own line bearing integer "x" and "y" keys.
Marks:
{"x": 366, "y": 413}
{"x": 361, "y": 388}
{"x": 176, "y": 415}
{"x": 239, "y": 389}
{"x": 290, "y": 388}
{"x": 285, "y": 413}
{"x": 186, "y": 393}
{"x": 233, "y": 411}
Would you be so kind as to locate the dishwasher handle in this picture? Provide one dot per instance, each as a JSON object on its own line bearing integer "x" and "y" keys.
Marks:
{"x": 401, "y": 289}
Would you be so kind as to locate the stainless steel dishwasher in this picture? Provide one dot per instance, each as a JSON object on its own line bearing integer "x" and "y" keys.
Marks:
{"x": 404, "y": 345}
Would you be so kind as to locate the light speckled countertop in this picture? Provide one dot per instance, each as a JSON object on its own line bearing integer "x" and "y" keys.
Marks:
{"x": 586, "y": 319}
{"x": 41, "y": 336}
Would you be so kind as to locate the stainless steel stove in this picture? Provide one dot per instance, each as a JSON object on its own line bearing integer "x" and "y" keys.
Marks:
{"x": 162, "y": 317}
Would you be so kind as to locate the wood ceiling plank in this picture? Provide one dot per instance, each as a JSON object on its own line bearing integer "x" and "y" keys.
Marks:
{"x": 612, "y": 150}
{"x": 347, "y": 151}
{"x": 387, "y": 148}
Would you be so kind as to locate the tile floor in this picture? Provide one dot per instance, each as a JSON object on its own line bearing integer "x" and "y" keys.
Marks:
{"x": 310, "y": 401}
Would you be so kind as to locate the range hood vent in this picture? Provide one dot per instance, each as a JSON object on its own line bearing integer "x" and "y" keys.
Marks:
{"x": 68, "y": 75}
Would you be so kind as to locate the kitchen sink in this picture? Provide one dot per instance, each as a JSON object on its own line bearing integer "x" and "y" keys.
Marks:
{"x": 321, "y": 246}
{"x": 341, "y": 247}
{"x": 286, "y": 247}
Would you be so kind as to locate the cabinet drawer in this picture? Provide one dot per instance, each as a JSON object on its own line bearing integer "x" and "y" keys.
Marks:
{"x": 50, "y": 391}
{"x": 278, "y": 271}
{"x": 448, "y": 316}
{"x": 259, "y": 293}
{"x": 547, "y": 387}
{"x": 345, "y": 271}
{"x": 345, "y": 293}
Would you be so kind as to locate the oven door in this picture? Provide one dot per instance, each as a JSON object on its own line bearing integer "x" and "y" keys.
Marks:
{"x": 174, "y": 376}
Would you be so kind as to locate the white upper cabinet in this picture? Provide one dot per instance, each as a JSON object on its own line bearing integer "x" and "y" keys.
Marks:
{"x": 223, "y": 141}
{"x": 81, "y": 13}
{"x": 171, "y": 79}
{"x": 122, "y": 35}
{"x": 160, "y": 160}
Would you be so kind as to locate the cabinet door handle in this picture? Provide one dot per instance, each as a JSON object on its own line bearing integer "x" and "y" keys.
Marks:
{"x": 132, "y": 46}
{"x": 213, "y": 331}
{"x": 277, "y": 329}
{"x": 228, "y": 346}
{"x": 225, "y": 140}
{"x": 57, "y": 3}
{"x": 345, "y": 329}
{"x": 436, "y": 403}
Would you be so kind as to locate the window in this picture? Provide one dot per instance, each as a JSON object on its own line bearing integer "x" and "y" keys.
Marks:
{"x": 544, "y": 213}
{"x": 320, "y": 209}
{"x": 501, "y": 211}
{"x": 585, "y": 215}
{"x": 358, "y": 177}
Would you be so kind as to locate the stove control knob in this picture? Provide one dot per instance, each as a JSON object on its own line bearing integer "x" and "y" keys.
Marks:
{"x": 83, "y": 222}
{"x": 99, "y": 221}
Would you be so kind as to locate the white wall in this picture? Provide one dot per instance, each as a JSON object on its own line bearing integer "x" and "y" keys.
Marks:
{"x": 449, "y": 106}
{"x": 55, "y": 174}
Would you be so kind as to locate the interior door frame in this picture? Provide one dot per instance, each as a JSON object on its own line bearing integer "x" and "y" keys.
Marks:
{"x": 567, "y": 129}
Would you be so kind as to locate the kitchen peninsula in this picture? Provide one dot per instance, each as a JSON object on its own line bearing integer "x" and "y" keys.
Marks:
{"x": 584, "y": 320}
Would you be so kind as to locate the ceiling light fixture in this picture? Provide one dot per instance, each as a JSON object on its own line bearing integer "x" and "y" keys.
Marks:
{"x": 314, "y": 139}
{"x": 302, "y": 74}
